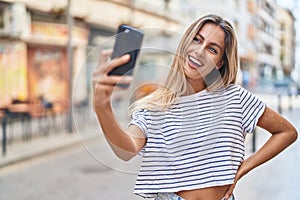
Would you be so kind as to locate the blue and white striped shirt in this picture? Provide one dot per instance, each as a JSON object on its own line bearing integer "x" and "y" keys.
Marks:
{"x": 198, "y": 142}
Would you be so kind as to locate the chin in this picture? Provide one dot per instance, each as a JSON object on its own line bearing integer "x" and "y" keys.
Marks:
{"x": 192, "y": 74}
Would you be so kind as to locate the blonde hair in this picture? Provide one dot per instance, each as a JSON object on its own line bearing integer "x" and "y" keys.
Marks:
{"x": 176, "y": 83}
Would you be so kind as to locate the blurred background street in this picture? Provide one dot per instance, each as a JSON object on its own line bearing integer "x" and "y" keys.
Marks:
{"x": 51, "y": 144}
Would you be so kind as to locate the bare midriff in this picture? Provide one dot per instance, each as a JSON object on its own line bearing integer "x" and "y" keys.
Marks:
{"x": 211, "y": 193}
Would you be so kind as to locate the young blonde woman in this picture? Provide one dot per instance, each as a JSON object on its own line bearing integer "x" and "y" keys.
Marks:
{"x": 191, "y": 131}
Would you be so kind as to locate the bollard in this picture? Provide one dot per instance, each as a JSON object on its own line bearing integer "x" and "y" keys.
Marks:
{"x": 4, "y": 123}
{"x": 254, "y": 141}
{"x": 290, "y": 102}
{"x": 279, "y": 104}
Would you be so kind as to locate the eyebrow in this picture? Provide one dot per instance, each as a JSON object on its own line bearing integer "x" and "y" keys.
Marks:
{"x": 212, "y": 43}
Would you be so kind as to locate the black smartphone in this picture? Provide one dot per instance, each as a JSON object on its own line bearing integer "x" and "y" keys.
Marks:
{"x": 128, "y": 41}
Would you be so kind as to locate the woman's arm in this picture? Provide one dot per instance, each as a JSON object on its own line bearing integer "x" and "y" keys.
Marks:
{"x": 125, "y": 143}
{"x": 283, "y": 134}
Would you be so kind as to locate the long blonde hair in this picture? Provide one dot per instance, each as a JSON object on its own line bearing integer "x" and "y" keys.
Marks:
{"x": 176, "y": 83}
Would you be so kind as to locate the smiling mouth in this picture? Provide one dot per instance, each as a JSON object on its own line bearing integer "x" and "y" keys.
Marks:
{"x": 194, "y": 62}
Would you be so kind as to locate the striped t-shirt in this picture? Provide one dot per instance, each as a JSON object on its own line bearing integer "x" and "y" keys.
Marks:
{"x": 198, "y": 142}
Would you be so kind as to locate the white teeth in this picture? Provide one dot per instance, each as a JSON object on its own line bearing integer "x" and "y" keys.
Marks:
{"x": 195, "y": 61}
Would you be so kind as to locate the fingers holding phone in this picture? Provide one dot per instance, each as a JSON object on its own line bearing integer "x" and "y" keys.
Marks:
{"x": 115, "y": 80}
{"x": 106, "y": 65}
{"x": 128, "y": 42}
{"x": 105, "y": 84}
{"x": 104, "y": 59}
{"x": 116, "y": 67}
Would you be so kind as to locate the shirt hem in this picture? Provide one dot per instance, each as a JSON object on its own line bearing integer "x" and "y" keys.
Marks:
{"x": 152, "y": 193}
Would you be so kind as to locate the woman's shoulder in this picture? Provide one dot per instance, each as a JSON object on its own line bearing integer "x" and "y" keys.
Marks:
{"x": 232, "y": 88}
{"x": 236, "y": 90}
{"x": 140, "y": 111}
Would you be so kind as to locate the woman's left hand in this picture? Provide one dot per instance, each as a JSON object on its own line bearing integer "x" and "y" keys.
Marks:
{"x": 283, "y": 135}
{"x": 240, "y": 173}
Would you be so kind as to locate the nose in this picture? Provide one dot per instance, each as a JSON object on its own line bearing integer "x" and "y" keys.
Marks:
{"x": 200, "y": 50}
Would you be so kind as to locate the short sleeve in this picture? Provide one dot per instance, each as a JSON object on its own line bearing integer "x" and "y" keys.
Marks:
{"x": 140, "y": 118}
{"x": 252, "y": 110}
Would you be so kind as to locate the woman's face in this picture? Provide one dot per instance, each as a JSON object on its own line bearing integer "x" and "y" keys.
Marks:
{"x": 204, "y": 53}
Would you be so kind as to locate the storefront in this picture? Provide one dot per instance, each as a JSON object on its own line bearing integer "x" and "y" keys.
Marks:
{"x": 48, "y": 73}
{"x": 13, "y": 72}
{"x": 48, "y": 70}
{"x": 34, "y": 63}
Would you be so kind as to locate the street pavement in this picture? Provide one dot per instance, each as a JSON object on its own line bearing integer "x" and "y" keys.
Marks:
{"x": 81, "y": 166}
{"x": 73, "y": 173}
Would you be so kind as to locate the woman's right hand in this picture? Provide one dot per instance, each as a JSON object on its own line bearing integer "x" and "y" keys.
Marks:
{"x": 103, "y": 84}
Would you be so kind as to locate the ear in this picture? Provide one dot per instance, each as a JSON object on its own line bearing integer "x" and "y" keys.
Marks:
{"x": 220, "y": 64}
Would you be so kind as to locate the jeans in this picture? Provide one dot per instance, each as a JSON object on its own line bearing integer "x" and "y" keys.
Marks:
{"x": 173, "y": 196}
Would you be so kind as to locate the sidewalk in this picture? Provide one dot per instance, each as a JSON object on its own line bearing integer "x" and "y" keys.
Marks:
{"x": 86, "y": 129}
{"x": 20, "y": 150}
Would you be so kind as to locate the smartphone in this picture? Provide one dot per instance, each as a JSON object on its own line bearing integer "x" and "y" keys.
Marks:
{"x": 128, "y": 41}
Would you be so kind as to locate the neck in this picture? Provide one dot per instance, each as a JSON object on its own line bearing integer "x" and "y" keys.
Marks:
{"x": 194, "y": 86}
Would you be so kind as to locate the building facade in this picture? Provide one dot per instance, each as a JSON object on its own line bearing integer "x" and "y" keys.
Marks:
{"x": 34, "y": 55}
{"x": 36, "y": 33}
{"x": 267, "y": 42}
{"x": 287, "y": 41}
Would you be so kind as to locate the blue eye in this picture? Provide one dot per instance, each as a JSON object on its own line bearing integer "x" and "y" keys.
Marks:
{"x": 213, "y": 50}
{"x": 196, "y": 40}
